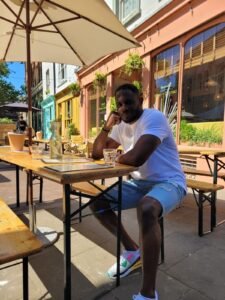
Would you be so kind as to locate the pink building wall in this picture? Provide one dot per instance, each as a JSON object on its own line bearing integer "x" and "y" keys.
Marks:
{"x": 174, "y": 24}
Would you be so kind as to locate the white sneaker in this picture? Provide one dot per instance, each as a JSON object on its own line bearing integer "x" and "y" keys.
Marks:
{"x": 140, "y": 297}
{"x": 129, "y": 261}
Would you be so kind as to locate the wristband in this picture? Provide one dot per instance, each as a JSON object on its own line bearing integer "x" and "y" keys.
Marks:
{"x": 106, "y": 130}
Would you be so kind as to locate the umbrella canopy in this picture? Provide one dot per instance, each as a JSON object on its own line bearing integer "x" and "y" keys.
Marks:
{"x": 18, "y": 107}
{"x": 64, "y": 31}
{"x": 71, "y": 32}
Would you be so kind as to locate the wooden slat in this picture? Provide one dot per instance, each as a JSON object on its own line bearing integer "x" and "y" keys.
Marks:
{"x": 201, "y": 172}
{"x": 16, "y": 240}
{"x": 203, "y": 186}
{"x": 87, "y": 188}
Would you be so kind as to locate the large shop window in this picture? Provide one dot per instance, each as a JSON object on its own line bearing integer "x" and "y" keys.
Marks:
{"x": 204, "y": 77}
{"x": 204, "y": 86}
{"x": 166, "y": 71}
{"x": 97, "y": 111}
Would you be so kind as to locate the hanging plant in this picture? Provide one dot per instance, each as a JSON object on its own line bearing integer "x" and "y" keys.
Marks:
{"x": 100, "y": 80}
{"x": 138, "y": 85}
{"x": 75, "y": 89}
{"x": 133, "y": 63}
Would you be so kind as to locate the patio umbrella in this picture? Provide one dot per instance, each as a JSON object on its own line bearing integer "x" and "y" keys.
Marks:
{"x": 71, "y": 32}
{"x": 18, "y": 107}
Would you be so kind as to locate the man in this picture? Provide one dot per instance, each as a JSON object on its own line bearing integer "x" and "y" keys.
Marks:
{"x": 21, "y": 124}
{"x": 155, "y": 189}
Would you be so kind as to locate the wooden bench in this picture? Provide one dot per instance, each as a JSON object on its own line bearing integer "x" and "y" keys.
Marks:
{"x": 204, "y": 191}
{"x": 193, "y": 171}
{"x": 16, "y": 242}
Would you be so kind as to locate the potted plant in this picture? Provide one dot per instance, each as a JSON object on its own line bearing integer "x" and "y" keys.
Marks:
{"x": 100, "y": 80}
{"x": 133, "y": 63}
{"x": 113, "y": 106}
{"x": 75, "y": 89}
{"x": 72, "y": 130}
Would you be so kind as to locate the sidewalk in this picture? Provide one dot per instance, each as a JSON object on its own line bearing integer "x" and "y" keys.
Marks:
{"x": 194, "y": 267}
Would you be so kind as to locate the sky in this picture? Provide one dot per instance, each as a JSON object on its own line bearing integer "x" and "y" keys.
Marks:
{"x": 17, "y": 74}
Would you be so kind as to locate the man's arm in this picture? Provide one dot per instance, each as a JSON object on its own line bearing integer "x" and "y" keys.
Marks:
{"x": 144, "y": 147}
{"x": 103, "y": 141}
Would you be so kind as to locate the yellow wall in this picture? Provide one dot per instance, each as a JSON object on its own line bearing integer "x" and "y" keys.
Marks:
{"x": 61, "y": 99}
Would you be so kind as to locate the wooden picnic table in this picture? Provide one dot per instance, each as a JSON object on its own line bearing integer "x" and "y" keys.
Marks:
{"x": 213, "y": 155}
{"x": 24, "y": 160}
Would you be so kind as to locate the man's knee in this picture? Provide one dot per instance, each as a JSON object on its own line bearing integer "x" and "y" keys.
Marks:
{"x": 149, "y": 210}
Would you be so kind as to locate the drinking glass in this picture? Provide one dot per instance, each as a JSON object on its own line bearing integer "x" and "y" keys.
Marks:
{"x": 110, "y": 156}
{"x": 36, "y": 151}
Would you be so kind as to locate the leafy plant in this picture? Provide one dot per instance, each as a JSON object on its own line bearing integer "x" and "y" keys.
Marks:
{"x": 113, "y": 106}
{"x": 100, "y": 80}
{"x": 133, "y": 63}
{"x": 73, "y": 130}
{"x": 47, "y": 92}
{"x": 138, "y": 85}
{"x": 6, "y": 121}
{"x": 189, "y": 133}
{"x": 75, "y": 89}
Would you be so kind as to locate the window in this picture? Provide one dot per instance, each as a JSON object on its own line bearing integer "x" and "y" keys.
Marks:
{"x": 204, "y": 76}
{"x": 126, "y": 10}
{"x": 166, "y": 72}
{"x": 68, "y": 118}
{"x": 61, "y": 73}
{"x": 47, "y": 87}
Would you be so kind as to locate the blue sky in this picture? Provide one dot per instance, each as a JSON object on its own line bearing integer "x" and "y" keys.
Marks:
{"x": 17, "y": 74}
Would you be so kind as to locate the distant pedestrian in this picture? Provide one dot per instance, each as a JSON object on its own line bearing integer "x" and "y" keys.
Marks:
{"x": 21, "y": 124}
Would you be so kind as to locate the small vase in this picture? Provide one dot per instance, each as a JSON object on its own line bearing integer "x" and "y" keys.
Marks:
{"x": 55, "y": 141}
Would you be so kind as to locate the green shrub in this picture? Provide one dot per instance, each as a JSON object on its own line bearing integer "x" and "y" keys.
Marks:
{"x": 6, "y": 120}
{"x": 133, "y": 63}
{"x": 73, "y": 130}
{"x": 189, "y": 133}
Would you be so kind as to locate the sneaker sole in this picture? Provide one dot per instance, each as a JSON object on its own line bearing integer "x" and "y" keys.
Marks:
{"x": 135, "y": 266}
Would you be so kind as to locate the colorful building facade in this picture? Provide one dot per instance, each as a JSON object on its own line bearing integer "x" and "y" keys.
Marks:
{"x": 183, "y": 49}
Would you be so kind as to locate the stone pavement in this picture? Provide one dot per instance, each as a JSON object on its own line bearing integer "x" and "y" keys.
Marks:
{"x": 194, "y": 267}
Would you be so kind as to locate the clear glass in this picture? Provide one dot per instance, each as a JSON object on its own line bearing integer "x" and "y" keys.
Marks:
{"x": 36, "y": 151}
{"x": 55, "y": 141}
{"x": 110, "y": 156}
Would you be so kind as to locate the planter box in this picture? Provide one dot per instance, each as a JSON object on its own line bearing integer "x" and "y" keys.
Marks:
{"x": 4, "y": 129}
{"x": 16, "y": 141}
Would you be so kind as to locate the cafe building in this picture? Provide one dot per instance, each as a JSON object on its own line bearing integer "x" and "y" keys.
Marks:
{"x": 182, "y": 49}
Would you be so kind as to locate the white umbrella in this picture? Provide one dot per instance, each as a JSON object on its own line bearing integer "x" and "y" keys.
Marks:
{"x": 74, "y": 32}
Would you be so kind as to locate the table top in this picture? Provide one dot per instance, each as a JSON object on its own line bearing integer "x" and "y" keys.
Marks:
{"x": 196, "y": 150}
{"x": 23, "y": 159}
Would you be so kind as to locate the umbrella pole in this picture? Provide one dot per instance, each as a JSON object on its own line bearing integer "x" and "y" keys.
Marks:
{"x": 28, "y": 78}
{"x": 28, "y": 32}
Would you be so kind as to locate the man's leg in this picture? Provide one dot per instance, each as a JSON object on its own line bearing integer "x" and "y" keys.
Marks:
{"x": 148, "y": 212}
{"x": 103, "y": 212}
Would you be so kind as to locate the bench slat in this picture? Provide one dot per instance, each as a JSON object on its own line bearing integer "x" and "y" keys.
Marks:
{"x": 201, "y": 172}
{"x": 203, "y": 186}
{"x": 87, "y": 188}
{"x": 16, "y": 240}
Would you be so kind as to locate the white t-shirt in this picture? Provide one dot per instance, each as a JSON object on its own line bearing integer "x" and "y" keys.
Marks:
{"x": 163, "y": 164}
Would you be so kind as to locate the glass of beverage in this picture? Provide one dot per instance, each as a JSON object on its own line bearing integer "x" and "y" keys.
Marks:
{"x": 36, "y": 151}
{"x": 110, "y": 156}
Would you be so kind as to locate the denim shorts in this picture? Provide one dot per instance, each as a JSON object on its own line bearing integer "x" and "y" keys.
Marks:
{"x": 168, "y": 193}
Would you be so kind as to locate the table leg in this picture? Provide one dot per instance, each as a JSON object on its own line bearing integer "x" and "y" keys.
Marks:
{"x": 17, "y": 186}
{"x": 119, "y": 230}
{"x": 213, "y": 211}
{"x": 67, "y": 242}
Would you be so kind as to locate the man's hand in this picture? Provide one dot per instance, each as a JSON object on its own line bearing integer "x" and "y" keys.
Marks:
{"x": 112, "y": 120}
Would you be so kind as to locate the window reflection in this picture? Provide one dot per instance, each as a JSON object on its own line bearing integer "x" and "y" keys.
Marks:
{"x": 166, "y": 68}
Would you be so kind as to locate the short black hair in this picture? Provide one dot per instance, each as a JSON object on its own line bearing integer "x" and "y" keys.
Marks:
{"x": 128, "y": 86}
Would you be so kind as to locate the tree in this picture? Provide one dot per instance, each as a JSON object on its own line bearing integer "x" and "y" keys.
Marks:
{"x": 8, "y": 93}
